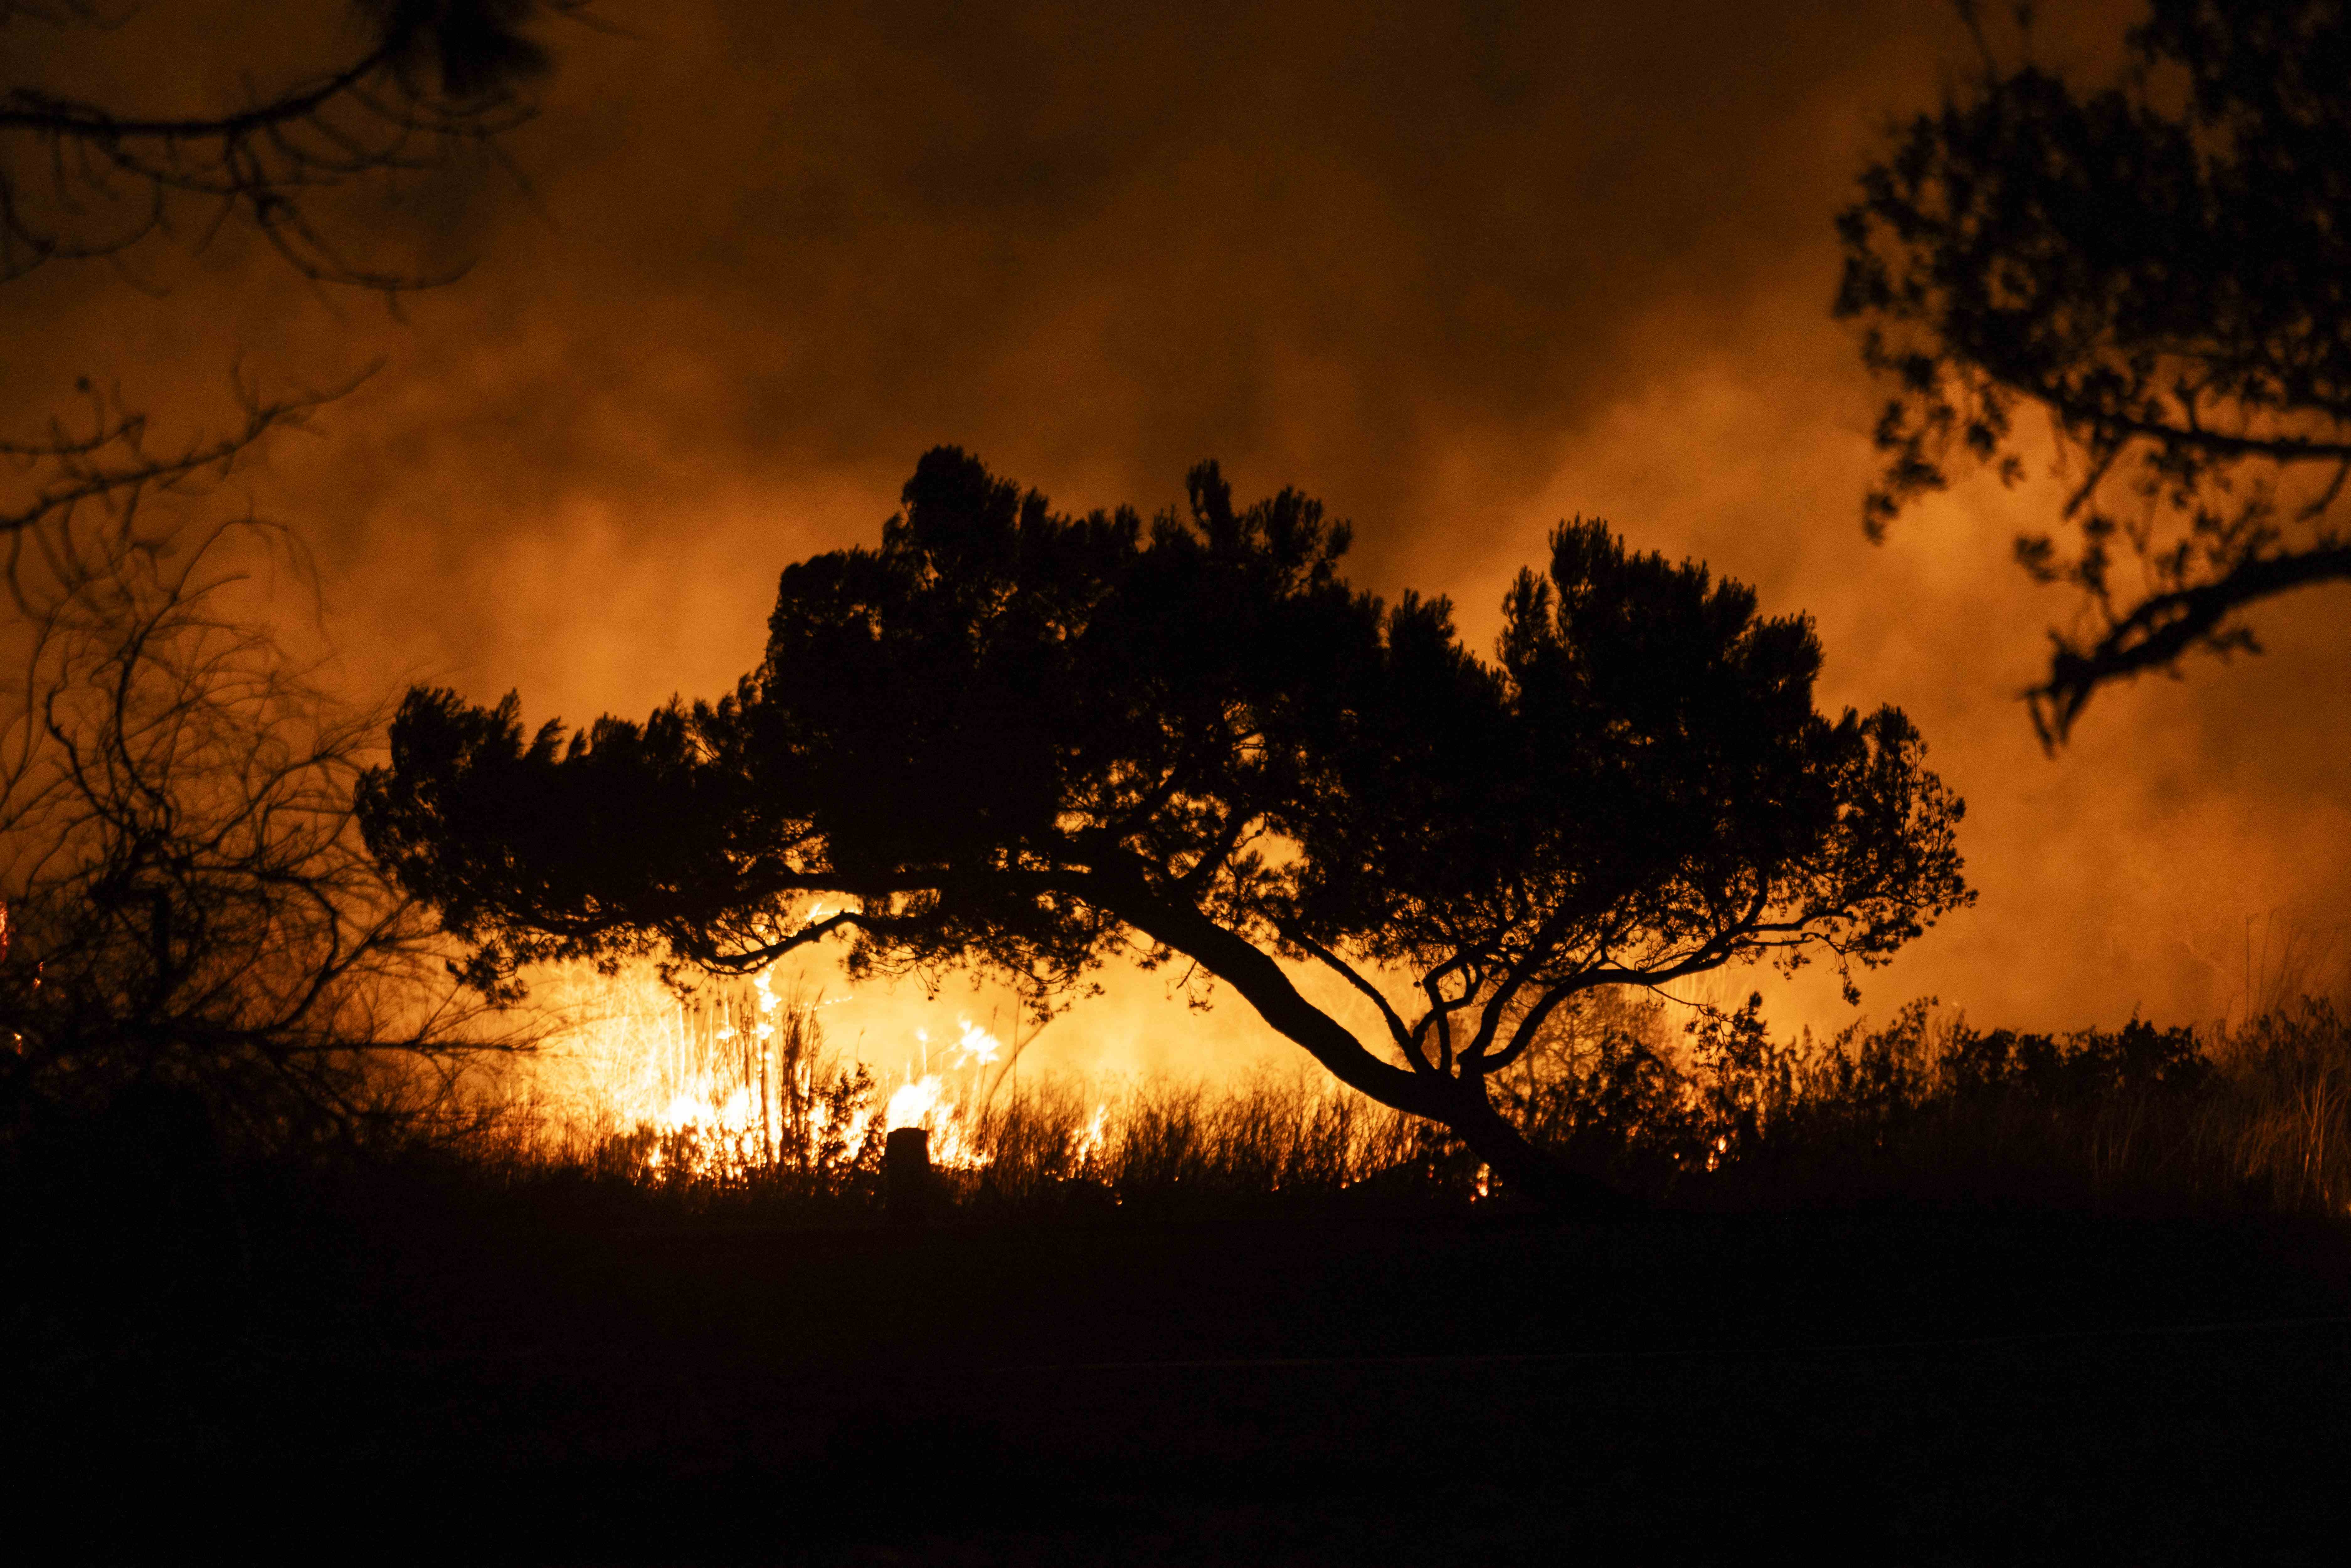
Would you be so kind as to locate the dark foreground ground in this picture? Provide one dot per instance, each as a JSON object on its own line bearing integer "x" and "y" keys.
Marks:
{"x": 419, "y": 1380}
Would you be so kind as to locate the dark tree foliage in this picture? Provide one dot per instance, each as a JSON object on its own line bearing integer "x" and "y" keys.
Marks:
{"x": 2161, "y": 266}
{"x": 1027, "y": 740}
{"x": 80, "y": 179}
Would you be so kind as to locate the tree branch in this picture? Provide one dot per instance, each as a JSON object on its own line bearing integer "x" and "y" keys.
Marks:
{"x": 1122, "y": 889}
{"x": 2164, "y": 626}
{"x": 1346, "y": 971}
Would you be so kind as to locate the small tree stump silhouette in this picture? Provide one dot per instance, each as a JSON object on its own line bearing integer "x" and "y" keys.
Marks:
{"x": 906, "y": 1171}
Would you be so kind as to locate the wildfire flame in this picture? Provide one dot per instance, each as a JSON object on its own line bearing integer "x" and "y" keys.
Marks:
{"x": 727, "y": 1085}
{"x": 928, "y": 1102}
{"x": 1090, "y": 1146}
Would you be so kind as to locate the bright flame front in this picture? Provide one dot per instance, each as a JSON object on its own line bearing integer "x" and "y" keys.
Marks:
{"x": 728, "y": 1083}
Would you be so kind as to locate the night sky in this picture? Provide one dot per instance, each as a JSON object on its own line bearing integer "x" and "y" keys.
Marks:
{"x": 1458, "y": 271}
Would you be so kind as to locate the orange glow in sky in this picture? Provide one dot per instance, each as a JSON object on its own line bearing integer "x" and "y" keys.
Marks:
{"x": 1459, "y": 274}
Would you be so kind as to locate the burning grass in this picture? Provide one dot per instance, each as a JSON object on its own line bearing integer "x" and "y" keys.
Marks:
{"x": 732, "y": 1095}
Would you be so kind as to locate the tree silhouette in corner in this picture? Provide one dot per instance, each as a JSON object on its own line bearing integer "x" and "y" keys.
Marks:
{"x": 425, "y": 79}
{"x": 189, "y": 920}
{"x": 1027, "y": 741}
{"x": 2160, "y": 267}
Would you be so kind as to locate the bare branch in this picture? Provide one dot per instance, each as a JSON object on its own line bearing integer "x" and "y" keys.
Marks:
{"x": 106, "y": 466}
{"x": 1405, "y": 1039}
{"x": 189, "y": 898}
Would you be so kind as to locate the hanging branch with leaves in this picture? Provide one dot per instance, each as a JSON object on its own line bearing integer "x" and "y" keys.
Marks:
{"x": 433, "y": 78}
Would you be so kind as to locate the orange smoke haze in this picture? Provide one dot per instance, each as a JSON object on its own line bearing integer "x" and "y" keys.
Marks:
{"x": 1458, "y": 271}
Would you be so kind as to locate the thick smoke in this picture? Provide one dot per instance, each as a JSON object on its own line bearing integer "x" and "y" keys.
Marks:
{"x": 1459, "y": 272}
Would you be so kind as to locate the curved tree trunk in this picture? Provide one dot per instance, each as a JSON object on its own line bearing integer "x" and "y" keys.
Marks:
{"x": 1459, "y": 1105}
{"x": 1528, "y": 1167}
